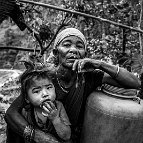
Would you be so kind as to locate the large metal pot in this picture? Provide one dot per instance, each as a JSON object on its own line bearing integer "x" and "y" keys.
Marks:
{"x": 113, "y": 118}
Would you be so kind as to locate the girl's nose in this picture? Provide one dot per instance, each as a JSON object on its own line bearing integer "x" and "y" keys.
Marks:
{"x": 44, "y": 93}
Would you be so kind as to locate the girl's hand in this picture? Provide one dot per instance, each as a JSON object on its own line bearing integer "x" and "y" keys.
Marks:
{"x": 86, "y": 65}
{"x": 50, "y": 110}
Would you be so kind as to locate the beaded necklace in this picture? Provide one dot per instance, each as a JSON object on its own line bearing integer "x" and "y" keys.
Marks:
{"x": 64, "y": 89}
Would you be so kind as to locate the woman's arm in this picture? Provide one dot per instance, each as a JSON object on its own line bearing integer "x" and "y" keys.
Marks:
{"x": 13, "y": 117}
{"x": 17, "y": 123}
{"x": 114, "y": 74}
{"x": 120, "y": 76}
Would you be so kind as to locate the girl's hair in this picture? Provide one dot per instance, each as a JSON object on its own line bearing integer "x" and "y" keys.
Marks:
{"x": 27, "y": 79}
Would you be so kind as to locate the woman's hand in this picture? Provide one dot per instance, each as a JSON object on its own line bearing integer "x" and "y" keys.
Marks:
{"x": 86, "y": 64}
{"x": 50, "y": 110}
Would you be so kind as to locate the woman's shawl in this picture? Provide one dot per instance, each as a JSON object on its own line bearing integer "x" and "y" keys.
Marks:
{"x": 76, "y": 98}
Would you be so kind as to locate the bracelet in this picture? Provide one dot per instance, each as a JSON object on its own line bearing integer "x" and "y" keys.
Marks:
{"x": 117, "y": 73}
{"x": 28, "y": 133}
{"x": 32, "y": 134}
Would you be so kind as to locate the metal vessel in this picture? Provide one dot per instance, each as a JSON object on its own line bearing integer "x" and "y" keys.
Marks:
{"x": 113, "y": 115}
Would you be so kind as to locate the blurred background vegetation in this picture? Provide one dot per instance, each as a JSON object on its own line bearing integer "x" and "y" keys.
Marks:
{"x": 105, "y": 41}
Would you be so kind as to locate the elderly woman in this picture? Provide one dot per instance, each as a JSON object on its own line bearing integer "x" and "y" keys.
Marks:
{"x": 76, "y": 78}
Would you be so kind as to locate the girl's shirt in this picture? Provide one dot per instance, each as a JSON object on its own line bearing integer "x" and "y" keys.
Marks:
{"x": 28, "y": 113}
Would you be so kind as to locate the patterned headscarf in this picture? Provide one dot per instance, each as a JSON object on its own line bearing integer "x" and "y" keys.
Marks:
{"x": 69, "y": 32}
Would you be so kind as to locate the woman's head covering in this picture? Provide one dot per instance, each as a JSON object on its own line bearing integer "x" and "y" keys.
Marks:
{"x": 69, "y": 32}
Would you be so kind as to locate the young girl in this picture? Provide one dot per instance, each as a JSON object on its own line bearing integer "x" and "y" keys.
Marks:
{"x": 41, "y": 109}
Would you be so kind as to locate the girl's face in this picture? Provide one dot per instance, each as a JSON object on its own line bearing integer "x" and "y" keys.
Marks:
{"x": 70, "y": 49}
{"x": 41, "y": 90}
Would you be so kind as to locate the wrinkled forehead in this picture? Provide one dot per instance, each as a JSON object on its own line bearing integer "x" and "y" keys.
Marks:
{"x": 69, "y": 32}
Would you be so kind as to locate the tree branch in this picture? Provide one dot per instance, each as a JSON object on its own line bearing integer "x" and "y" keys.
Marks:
{"x": 83, "y": 14}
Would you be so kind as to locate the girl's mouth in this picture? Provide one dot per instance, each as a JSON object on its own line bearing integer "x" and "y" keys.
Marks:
{"x": 44, "y": 102}
{"x": 47, "y": 101}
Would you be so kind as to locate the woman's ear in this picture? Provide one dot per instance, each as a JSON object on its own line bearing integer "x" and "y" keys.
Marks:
{"x": 55, "y": 52}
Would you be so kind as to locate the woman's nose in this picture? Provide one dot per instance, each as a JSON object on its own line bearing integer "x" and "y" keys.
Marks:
{"x": 73, "y": 48}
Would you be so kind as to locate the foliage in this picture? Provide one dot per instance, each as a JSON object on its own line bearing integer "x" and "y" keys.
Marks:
{"x": 105, "y": 41}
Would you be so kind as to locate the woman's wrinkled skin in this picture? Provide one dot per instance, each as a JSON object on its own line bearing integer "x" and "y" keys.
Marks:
{"x": 70, "y": 49}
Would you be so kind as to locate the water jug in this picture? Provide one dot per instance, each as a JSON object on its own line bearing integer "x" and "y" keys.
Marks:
{"x": 113, "y": 115}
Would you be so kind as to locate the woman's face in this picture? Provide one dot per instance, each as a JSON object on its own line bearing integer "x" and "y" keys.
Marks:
{"x": 70, "y": 49}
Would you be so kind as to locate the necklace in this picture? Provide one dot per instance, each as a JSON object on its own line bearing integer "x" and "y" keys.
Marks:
{"x": 66, "y": 91}
{"x": 62, "y": 86}
{"x": 63, "y": 73}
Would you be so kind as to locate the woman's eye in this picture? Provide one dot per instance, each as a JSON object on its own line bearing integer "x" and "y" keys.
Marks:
{"x": 67, "y": 44}
{"x": 80, "y": 46}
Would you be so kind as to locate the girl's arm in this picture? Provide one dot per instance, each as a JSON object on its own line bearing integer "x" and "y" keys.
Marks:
{"x": 61, "y": 123}
{"x": 57, "y": 114}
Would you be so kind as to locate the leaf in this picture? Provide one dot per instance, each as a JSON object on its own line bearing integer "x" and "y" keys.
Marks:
{"x": 137, "y": 64}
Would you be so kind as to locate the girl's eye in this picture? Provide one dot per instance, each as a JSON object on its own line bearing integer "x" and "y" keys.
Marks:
{"x": 36, "y": 91}
{"x": 49, "y": 87}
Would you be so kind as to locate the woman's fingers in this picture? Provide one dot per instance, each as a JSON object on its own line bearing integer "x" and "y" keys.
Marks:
{"x": 79, "y": 65}
{"x": 75, "y": 65}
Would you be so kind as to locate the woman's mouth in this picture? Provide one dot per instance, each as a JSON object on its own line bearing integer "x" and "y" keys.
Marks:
{"x": 73, "y": 57}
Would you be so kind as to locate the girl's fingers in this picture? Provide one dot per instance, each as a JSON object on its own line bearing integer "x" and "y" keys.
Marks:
{"x": 48, "y": 106}
{"x": 46, "y": 112}
{"x": 46, "y": 109}
{"x": 52, "y": 105}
